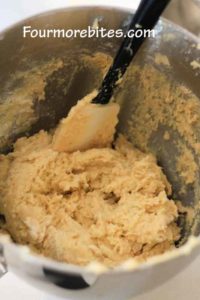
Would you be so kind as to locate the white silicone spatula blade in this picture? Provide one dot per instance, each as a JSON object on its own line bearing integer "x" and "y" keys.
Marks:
{"x": 87, "y": 126}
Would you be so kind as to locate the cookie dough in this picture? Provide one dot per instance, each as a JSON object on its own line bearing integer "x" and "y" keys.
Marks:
{"x": 104, "y": 204}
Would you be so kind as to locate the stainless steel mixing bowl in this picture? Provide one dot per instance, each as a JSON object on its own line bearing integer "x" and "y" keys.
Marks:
{"x": 18, "y": 54}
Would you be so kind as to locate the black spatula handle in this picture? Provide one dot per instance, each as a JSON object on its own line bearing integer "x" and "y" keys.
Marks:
{"x": 145, "y": 17}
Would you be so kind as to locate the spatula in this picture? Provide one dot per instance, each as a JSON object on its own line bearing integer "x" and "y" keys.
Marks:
{"x": 92, "y": 122}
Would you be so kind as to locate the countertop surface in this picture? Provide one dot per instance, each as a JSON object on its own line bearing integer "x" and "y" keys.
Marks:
{"x": 186, "y": 285}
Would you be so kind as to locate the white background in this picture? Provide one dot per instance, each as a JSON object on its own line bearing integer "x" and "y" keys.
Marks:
{"x": 186, "y": 285}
